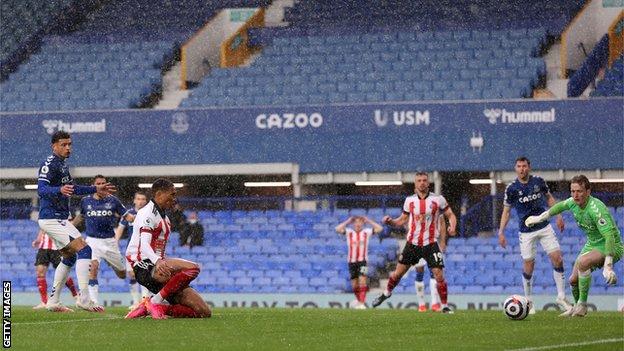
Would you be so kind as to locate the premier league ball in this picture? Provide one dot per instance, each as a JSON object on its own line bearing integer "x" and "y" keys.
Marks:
{"x": 517, "y": 307}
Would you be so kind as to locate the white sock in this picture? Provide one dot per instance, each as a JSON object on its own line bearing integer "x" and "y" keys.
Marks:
{"x": 420, "y": 292}
{"x": 134, "y": 292}
{"x": 60, "y": 277}
{"x": 82, "y": 273}
{"x": 145, "y": 292}
{"x": 528, "y": 287}
{"x": 560, "y": 282}
{"x": 94, "y": 293}
{"x": 157, "y": 299}
{"x": 433, "y": 287}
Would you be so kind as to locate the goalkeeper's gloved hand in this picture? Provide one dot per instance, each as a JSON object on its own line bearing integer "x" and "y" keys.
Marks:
{"x": 531, "y": 221}
{"x": 607, "y": 271}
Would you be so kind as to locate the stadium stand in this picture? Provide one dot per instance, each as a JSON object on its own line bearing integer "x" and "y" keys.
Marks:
{"x": 613, "y": 82}
{"x": 336, "y": 52}
{"x": 113, "y": 61}
{"x": 299, "y": 252}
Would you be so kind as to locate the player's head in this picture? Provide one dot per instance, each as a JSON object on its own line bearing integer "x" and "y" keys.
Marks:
{"x": 164, "y": 193}
{"x": 358, "y": 223}
{"x": 421, "y": 182}
{"x": 140, "y": 200}
{"x": 522, "y": 167}
{"x": 580, "y": 189}
{"x": 61, "y": 144}
{"x": 100, "y": 180}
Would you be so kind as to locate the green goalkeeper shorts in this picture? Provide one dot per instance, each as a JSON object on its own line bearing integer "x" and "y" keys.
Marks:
{"x": 619, "y": 250}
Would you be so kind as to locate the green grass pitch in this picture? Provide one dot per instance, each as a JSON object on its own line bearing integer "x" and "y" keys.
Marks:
{"x": 315, "y": 329}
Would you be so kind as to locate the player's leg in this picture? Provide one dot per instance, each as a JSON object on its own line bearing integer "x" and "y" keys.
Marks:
{"x": 189, "y": 304}
{"x": 550, "y": 244}
{"x": 527, "y": 251}
{"x": 433, "y": 291}
{"x": 419, "y": 284}
{"x": 94, "y": 286}
{"x": 353, "y": 277}
{"x": 181, "y": 273}
{"x": 435, "y": 262}
{"x": 586, "y": 261}
{"x": 55, "y": 259}
{"x": 362, "y": 285}
{"x": 41, "y": 266}
{"x": 134, "y": 286}
{"x": 394, "y": 279}
{"x": 83, "y": 263}
{"x": 573, "y": 280}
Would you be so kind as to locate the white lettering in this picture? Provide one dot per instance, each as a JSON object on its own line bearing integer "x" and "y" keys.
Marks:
{"x": 52, "y": 126}
{"x": 289, "y": 120}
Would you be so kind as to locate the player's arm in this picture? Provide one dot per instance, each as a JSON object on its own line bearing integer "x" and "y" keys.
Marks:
{"x": 37, "y": 241}
{"x": 108, "y": 188}
{"x": 342, "y": 227}
{"x": 44, "y": 189}
{"x": 550, "y": 200}
{"x": 396, "y": 222}
{"x": 504, "y": 220}
{"x": 443, "y": 234}
{"x": 78, "y": 219}
{"x": 377, "y": 228}
{"x": 145, "y": 226}
{"x": 558, "y": 208}
{"x": 601, "y": 216}
{"x": 450, "y": 215}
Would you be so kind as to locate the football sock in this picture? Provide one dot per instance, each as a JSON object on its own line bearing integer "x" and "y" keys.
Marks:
{"x": 443, "y": 291}
{"x": 584, "y": 283}
{"x": 527, "y": 283}
{"x": 362, "y": 293}
{"x": 60, "y": 276}
{"x": 181, "y": 311}
{"x": 178, "y": 282}
{"x": 433, "y": 289}
{"x": 392, "y": 283}
{"x": 134, "y": 291}
{"x": 94, "y": 290}
{"x": 356, "y": 292}
{"x": 575, "y": 292}
{"x": 420, "y": 292}
{"x": 559, "y": 281}
{"x": 70, "y": 285}
{"x": 42, "y": 285}
{"x": 82, "y": 273}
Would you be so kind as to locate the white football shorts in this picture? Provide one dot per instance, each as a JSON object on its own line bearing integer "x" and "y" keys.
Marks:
{"x": 528, "y": 242}
{"x": 107, "y": 250}
{"x": 61, "y": 231}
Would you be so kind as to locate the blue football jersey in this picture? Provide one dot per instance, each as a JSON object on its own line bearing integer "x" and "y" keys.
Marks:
{"x": 528, "y": 200}
{"x": 53, "y": 174}
{"x": 128, "y": 225}
{"x": 101, "y": 216}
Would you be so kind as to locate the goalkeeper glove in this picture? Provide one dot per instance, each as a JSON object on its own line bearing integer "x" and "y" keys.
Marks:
{"x": 533, "y": 220}
{"x": 607, "y": 271}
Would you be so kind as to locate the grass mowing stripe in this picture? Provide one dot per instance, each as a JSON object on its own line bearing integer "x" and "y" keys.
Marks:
{"x": 574, "y": 344}
{"x": 69, "y": 320}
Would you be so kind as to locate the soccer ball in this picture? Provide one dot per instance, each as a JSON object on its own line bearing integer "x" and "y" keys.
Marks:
{"x": 517, "y": 307}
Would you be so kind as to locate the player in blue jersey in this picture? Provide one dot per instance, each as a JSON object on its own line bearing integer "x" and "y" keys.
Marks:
{"x": 529, "y": 195}
{"x": 55, "y": 188}
{"x": 139, "y": 201}
{"x": 101, "y": 212}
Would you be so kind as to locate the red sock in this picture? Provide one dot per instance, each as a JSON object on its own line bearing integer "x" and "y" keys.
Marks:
{"x": 178, "y": 282}
{"x": 392, "y": 283}
{"x": 356, "y": 292}
{"x": 181, "y": 311}
{"x": 362, "y": 293}
{"x": 42, "y": 284}
{"x": 70, "y": 285}
{"x": 442, "y": 291}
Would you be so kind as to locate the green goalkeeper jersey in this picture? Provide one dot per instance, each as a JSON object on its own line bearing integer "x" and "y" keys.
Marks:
{"x": 596, "y": 221}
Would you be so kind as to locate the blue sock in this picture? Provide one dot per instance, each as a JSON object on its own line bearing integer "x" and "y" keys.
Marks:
{"x": 420, "y": 276}
{"x": 132, "y": 281}
{"x": 431, "y": 275}
{"x": 558, "y": 269}
{"x": 85, "y": 253}
{"x": 527, "y": 276}
{"x": 93, "y": 282}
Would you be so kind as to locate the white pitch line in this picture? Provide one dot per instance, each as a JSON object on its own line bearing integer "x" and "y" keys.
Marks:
{"x": 68, "y": 321}
{"x": 575, "y": 344}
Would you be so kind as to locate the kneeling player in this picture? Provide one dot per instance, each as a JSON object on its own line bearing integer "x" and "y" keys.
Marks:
{"x": 169, "y": 278}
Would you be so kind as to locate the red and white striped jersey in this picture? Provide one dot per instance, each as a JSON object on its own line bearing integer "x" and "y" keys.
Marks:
{"x": 358, "y": 244}
{"x": 150, "y": 232}
{"x": 46, "y": 242}
{"x": 423, "y": 227}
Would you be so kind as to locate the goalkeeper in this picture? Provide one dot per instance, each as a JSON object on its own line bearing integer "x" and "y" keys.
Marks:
{"x": 603, "y": 246}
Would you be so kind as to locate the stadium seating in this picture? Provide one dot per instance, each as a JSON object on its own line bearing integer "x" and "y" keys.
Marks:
{"x": 613, "y": 82}
{"x": 298, "y": 252}
{"x": 23, "y": 19}
{"x": 395, "y": 66}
